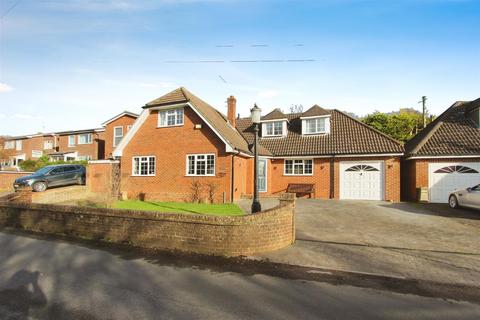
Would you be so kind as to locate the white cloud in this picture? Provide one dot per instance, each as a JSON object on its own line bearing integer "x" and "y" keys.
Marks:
{"x": 267, "y": 93}
{"x": 5, "y": 87}
{"x": 2, "y": 116}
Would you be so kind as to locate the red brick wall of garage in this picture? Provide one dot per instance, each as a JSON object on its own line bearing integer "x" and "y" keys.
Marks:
{"x": 170, "y": 146}
{"x": 415, "y": 174}
{"x": 124, "y": 121}
{"x": 94, "y": 149}
{"x": 278, "y": 182}
{"x": 392, "y": 176}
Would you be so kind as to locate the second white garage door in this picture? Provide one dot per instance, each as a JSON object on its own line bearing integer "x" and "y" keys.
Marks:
{"x": 361, "y": 180}
{"x": 444, "y": 178}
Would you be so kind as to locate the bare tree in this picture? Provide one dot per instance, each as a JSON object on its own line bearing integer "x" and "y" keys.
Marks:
{"x": 195, "y": 191}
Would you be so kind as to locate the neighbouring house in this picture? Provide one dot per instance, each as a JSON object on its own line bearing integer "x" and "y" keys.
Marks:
{"x": 180, "y": 147}
{"x": 444, "y": 156}
{"x": 116, "y": 128}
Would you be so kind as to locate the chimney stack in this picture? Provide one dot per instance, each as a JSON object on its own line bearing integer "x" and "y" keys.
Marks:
{"x": 232, "y": 110}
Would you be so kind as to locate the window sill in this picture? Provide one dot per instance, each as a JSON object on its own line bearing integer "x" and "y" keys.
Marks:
{"x": 203, "y": 175}
{"x": 176, "y": 125}
{"x": 276, "y": 136}
{"x": 298, "y": 175}
{"x": 315, "y": 134}
{"x": 143, "y": 175}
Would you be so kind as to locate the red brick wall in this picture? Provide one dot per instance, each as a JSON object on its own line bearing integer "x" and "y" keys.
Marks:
{"x": 8, "y": 177}
{"x": 278, "y": 182}
{"x": 124, "y": 122}
{"x": 93, "y": 149}
{"x": 229, "y": 235}
{"x": 101, "y": 177}
{"x": 415, "y": 174}
{"x": 170, "y": 146}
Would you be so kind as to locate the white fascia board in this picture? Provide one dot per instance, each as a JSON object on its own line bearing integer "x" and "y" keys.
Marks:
{"x": 130, "y": 133}
{"x": 443, "y": 157}
{"x": 274, "y": 120}
{"x": 313, "y": 117}
{"x": 119, "y": 116}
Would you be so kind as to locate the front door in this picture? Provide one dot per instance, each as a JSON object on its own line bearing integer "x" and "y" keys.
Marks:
{"x": 262, "y": 175}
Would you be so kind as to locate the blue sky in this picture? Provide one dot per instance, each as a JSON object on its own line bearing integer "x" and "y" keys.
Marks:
{"x": 73, "y": 64}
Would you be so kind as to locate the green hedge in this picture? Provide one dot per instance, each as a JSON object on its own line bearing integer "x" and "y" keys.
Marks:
{"x": 34, "y": 165}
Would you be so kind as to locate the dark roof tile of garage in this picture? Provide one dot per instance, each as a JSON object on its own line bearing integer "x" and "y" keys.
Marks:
{"x": 453, "y": 133}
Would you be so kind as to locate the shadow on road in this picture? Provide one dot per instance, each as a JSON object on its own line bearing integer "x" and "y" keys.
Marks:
{"x": 23, "y": 299}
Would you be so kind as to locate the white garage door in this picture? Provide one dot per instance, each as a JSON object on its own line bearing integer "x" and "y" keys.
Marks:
{"x": 443, "y": 178}
{"x": 361, "y": 180}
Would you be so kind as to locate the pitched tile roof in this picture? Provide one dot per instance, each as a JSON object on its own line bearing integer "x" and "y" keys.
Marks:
{"x": 215, "y": 118}
{"x": 453, "y": 133}
{"x": 276, "y": 114}
{"x": 347, "y": 136}
{"x": 316, "y": 110}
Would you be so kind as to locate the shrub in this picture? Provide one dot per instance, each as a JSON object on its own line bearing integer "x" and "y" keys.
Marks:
{"x": 195, "y": 191}
{"x": 34, "y": 165}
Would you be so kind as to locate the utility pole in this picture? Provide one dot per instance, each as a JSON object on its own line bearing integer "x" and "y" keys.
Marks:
{"x": 424, "y": 110}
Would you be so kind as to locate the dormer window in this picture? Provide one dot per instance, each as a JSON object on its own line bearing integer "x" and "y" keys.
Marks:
{"x": 170, "y": 118}
{"x": 316, "y": 125}
{"x": 274, "y": 128}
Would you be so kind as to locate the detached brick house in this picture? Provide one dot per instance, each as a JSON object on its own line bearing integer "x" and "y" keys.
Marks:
{"x": 445, "y": 156}
{"x": 116, "y": 128}
{"x": 179, "y": 139}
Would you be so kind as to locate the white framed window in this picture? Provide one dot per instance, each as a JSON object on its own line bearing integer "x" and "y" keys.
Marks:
{"x": 298, "y": 167}
{"x": 47, "y": 144}
{"x": 18, "y": 144}
{"x": 71, "y": 141}
{"x": 117, "y": 135}
{"x": 37, "y": 153}
{"x": 200, "y": 165}
{"x": 85, "y": 138}
{"x": 170, "y": 118}
{"x": 9, "y": 144}
{"x": 84, "y": 158}
{"x": 317, "y": 125}
{"x": 143, "y": 166}
{"x": 274, "y": 128}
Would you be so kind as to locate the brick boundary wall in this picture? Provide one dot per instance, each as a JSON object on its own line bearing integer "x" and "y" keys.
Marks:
{"x": 103, "y": 177}
{"x": 8, "y": 177}
{"x": 204, "y": 234}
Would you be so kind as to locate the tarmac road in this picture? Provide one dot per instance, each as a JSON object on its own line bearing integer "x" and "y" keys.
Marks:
{"x": 51, "y": 278}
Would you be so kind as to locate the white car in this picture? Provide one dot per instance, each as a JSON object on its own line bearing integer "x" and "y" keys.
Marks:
{"x": 469, "y": 197}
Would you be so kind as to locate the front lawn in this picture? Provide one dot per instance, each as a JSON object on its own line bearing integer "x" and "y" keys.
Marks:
{"x": 180, "y": 207}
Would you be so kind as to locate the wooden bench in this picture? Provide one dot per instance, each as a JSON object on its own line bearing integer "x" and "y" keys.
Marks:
{"x": 301, "y": 189}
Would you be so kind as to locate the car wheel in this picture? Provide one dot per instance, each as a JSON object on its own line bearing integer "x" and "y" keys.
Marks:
{"x": 81, "y": 180}
{"x": 453, "y": 202}
{"x": 39, "y": 186}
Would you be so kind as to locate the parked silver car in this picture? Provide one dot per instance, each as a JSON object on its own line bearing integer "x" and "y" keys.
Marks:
{"x": 469, "y": 197}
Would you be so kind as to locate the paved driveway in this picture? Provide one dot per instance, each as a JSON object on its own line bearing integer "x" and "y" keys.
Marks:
{"x": 420, "y": 241}
{"x": 433, "y": 227}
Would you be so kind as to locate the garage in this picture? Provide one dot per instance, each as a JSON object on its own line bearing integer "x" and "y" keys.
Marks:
{"x": 361, "y": 180}
{"x": 443, "y": 178}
